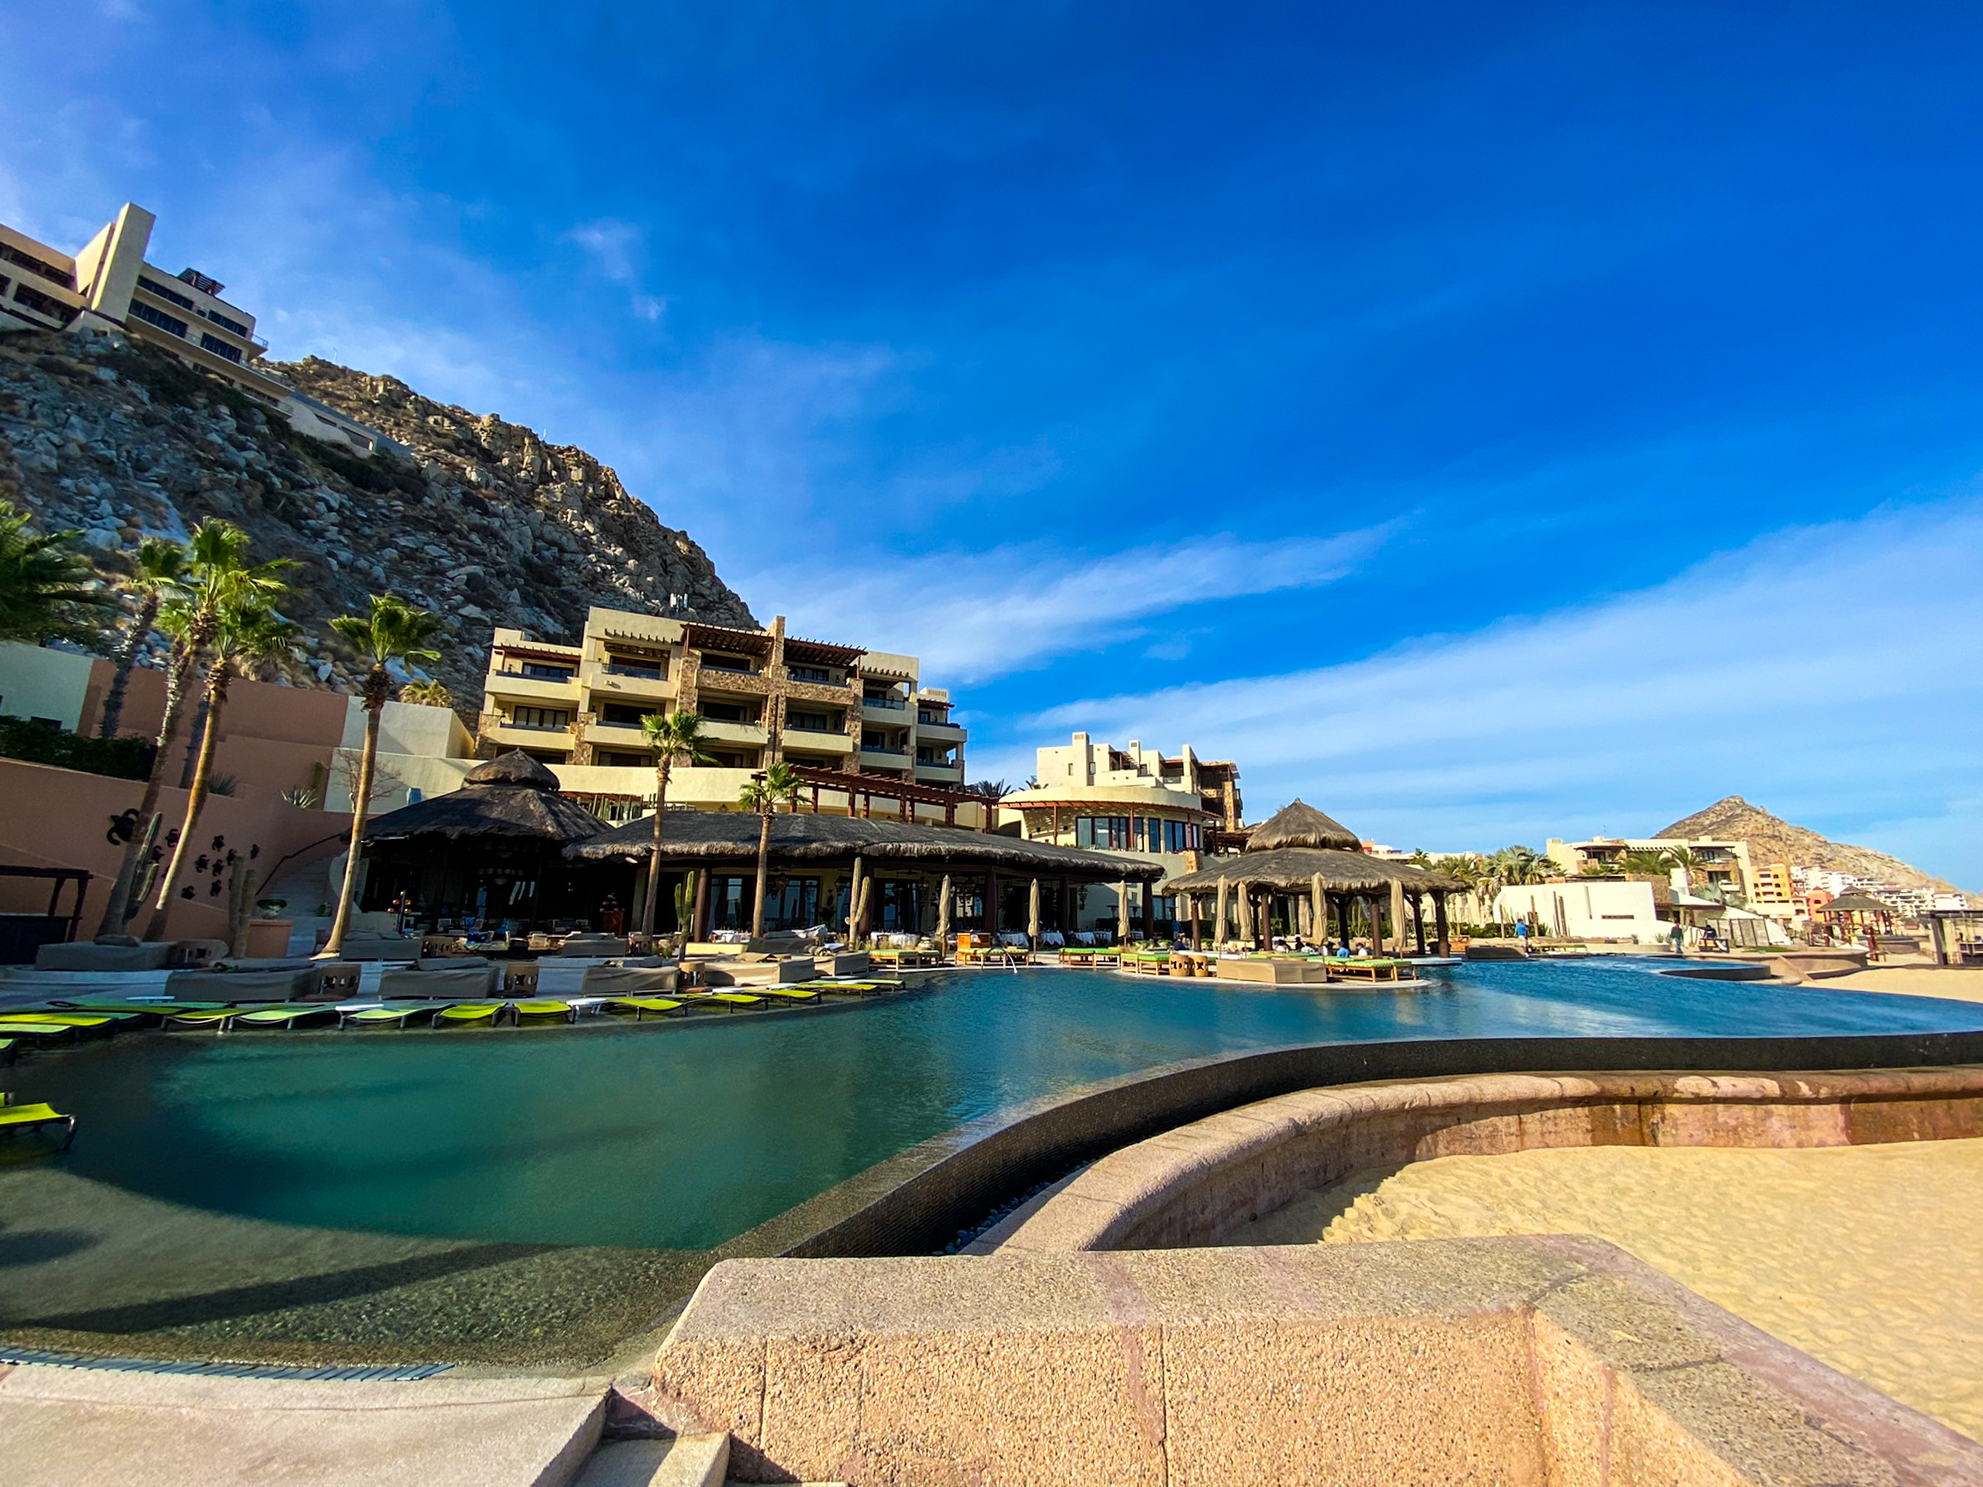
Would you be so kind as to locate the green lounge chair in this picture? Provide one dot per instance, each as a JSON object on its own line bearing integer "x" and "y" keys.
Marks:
{"x": 390, "y": 1014}
{"x": 200, "y": 1018}
{"x": 795, "y": 993}
{"x": 640, "y": 1006}
{"x": 90, "y": 1020}
{"x": 283, "y": 1017}
{"x": 40, "y": 1032}
{"x": 543, "y": 1009}
{"x": 19, "y": 1119}
{"x": 7, "y": 1046}
{"x": 729, "y": 1001}
{"x": 468, "y": 1014}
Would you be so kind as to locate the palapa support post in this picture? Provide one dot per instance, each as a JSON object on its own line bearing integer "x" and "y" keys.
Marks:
{"x": 991, "y": 904}
{"x": 1191, "y": 907}
{"x": 1442, "y": 937}
{"x": 854, "y": 904}
{"x": 1064, "y": 909}
{"x": 1418, "y": 921}
{"x": 1149, "y": 914}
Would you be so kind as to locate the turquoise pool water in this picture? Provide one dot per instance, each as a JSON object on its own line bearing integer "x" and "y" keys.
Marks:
{"x": 683, "y": 1135}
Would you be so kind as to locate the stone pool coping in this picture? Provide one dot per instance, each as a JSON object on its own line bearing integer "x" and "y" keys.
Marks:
{"x": 1203, "y": 1180}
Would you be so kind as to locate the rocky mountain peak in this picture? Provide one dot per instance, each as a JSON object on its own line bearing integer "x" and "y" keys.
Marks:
{"x": 1773, "y": 840}
{"x": 482, "y": 521}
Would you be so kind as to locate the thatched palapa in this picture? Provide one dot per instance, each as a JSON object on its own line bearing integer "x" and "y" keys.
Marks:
{"x": 512, "y": 796}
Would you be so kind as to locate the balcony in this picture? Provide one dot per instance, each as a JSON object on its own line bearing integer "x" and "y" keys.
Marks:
{"x": 886, "y": 704}
{"x": 939, "y": 774}
{"x": 816, "y": 741}
{"x": 939, "y": 728}
{"x": 535, "y": 737}
{"x": 531, "y": 688}
{"x": 617, "y": 681}
{"x": 747, "y": 735}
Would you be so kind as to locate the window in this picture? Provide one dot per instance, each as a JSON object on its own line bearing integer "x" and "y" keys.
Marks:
{"x": 45, "y": 304}
{"x": 159, "y": 318}
{"x": 728, "y": 712}
{"x": 645, "y": 669}
{"x": 219, "y": 347}
{"x": 48, "y": 271}
{"x": 811, "y": 722}
{"x": 1103, "y": 833}
{"x": 725, "y": 663}
{"x": 538, "y": 671}
{"x": 810, "y": 674}
{"x": 611, "y": 759}
{"x": 885, "y": 699}
{"x": 540, "y": 717}
{"x": 621, "y": 715}
{"x": 225, "y": 324}
{"x": 152, "y": 286}
{"x": 1179, "y": 836}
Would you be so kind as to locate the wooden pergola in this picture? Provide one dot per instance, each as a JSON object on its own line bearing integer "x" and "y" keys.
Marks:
{"x": 921, "y": 870}
{"x": 1310, "y": 872}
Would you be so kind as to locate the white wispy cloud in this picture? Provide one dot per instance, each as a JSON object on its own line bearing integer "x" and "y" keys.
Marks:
{"x": 1825, "y": 672}
{"x": 618, "y": 250}
{"x": 970, "y": 616}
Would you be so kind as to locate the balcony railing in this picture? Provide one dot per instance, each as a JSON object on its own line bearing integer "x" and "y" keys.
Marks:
{"x": 894, "y": 704}
{"x": 711, "y": 663}
{"x": 535, "y": 727}
{"x": 873, "y": 748}
{"x": 797, "y": 727}
{"x": 642, "y": 673}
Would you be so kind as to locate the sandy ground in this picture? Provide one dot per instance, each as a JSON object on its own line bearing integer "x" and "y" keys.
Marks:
{"x": 1953, "y": 984}
{"x": 1868, "y": 1257}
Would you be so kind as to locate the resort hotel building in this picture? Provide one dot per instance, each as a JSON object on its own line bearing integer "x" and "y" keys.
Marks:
{"x": 1171, "y": 810}
{"x": 1722, "y": 864}
{"x": 110, "y": 285}
{"x": 857, "y": 725}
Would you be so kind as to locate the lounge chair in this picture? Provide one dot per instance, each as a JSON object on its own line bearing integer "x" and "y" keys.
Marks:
{"x": 469, "y": 1014}
{"x": 282, "y": 1017}
{"x": 542, "y": 1010}
{"x": 19, "y": 1119}
{"x": 477, "y": 981}
{"x": 36, "y": 1032}
{"x": 642, "y": 1006}
{"x": 624, "y": 981}
{"x": 73, "y": 1024}
{"x": 202, "y": 1018}
{"x": 777, "y": 994}
{"x": 395, "y": 1015}
{"x": 728, "y": 1001}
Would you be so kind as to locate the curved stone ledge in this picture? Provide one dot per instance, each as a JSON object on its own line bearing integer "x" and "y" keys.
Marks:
{"x": 1199, "y": 1182}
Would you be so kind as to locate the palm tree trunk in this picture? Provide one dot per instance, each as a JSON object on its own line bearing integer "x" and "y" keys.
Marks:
{"x": 763, "y": 859}
{"x": 117, "y": 910}
{"x": 113, "y": 700}
{"x": 196, "y": 800}
{"x": 652, "y": 906}
{"x": 361, "y": 808}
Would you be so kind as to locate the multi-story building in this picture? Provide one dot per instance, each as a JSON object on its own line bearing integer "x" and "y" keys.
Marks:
{"x": 110, "y": 284}
{"x": 1774, "y": 893}
{"x": 854, "y": 722}
{"x": 1721, "y": 865}
{"x": 1140, "y": 804}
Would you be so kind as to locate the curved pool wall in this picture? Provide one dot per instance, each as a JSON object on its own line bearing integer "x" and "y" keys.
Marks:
{"x": 526, "y": 1195}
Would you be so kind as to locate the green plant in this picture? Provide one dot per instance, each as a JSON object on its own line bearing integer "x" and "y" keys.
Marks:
{"x": 45, "y": 584}
{"x": 158, "y": 573}
{"x": 426, "y": 692}
{"x": 218, "y": 577}
{"x": 117, "y": 758}
{"x": 393, "y": 633}
{"x": 673, "y": 738}
{"x": 779, "y": 785}
{"x": 222, "y": 784}
{"x": 271, "y": 906}
{"x": 304, "y": 796}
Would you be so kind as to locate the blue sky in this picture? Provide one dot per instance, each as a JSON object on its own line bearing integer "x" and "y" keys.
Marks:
{"x": 1486, "y": 422}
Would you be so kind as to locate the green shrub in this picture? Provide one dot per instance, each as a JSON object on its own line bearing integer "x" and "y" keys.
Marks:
{"x": 120, "y": 758}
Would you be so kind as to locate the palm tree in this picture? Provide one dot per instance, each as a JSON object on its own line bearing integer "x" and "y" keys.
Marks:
{"x": 425, "y": 692}
{"x": 248, "y": 634}
{"x": 45, "y": 591}
{"x": 675, "y": 738}
{"x": 1645, "y": 862}
{"x": 395, "y": 632}
{"x": 218, "y": 575}
{"x": 780, "y": 786}
{"x": 1687, "y": 860}
{"x": 157, "y": 573}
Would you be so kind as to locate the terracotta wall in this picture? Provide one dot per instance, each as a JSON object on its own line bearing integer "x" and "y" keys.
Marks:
{"x": 279, "y": 738}
{"x": 59, "y": 818}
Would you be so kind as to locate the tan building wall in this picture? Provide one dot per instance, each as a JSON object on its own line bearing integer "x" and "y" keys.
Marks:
{"x": 1724, "y": 864}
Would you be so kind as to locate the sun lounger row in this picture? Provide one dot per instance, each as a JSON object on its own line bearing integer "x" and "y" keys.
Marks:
{"x": 22, "y": 1120}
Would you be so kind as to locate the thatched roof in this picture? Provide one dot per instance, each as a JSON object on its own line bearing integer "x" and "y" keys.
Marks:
{"x": 1299, "y": 825}
{"x": 510, "y": 797}
{"x": 1293, "y": 870}
{"x": 1856, "y": 903}
{"x": 698, "y": 838}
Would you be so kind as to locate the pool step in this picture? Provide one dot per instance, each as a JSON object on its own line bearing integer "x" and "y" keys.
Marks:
{"x": 686, "y": 1461}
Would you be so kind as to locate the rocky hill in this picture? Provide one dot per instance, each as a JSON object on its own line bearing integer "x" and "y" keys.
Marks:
{"x": 1773, "y": 840}
{"x": 485, "y": 522}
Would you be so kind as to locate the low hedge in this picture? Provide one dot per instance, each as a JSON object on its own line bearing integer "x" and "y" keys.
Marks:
{"x": 119, "y": 758}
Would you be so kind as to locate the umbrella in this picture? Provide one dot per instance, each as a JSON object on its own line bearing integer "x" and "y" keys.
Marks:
{"x": 1122, "y": 911}
{"x": 1319, "y": 907}
{"x": 1219, "y": 918}
{"x": 1246, "y": 914}
{"x": 943, "y": 915}
{"x": 1397, "y": 916}
{"x": 854, "y": 899}
{"x": 1033, "y": 915}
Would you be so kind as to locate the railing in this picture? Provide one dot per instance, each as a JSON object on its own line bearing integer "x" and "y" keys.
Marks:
{"x": 642, "y": 673}
{"x": 535, "y": 727}
{"x": 895, "y": 704}
{"x": 549, "y": 681}
{"x": 868, "y": 748}
{"x": 798, "y": 727}
{"x": 743, "y": 669}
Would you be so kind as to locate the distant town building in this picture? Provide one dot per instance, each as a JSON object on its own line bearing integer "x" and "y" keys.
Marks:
{"x": 109, "y": 284}
{"x": 858, "y": 724}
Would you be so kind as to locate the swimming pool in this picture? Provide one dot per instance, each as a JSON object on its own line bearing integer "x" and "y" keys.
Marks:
{"x": 672, "y": 1139}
